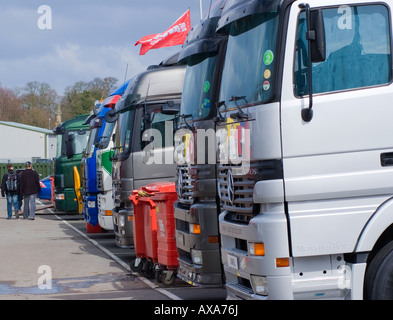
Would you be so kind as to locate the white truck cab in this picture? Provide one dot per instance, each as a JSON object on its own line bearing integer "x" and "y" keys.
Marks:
{"x": 307, "y": 213}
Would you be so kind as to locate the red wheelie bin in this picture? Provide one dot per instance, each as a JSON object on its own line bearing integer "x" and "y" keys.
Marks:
{"x": 145, "y": 232}
{"x": 167, "y": 262}
{"x": 154, "y": 231}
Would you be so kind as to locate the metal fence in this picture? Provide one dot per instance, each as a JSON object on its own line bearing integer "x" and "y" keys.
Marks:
{"x": 43, "y": 169}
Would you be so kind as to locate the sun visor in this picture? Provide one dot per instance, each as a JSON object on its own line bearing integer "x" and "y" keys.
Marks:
{"x": 235, "y": 10}
{"x": 202, "y": 38}
{"x": 91, "y": 116}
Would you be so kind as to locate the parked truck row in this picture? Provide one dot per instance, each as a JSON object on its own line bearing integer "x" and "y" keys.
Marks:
{"x": 273, "y": 122}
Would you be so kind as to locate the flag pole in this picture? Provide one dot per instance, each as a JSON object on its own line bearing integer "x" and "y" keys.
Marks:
{"x": 200, "y": 8}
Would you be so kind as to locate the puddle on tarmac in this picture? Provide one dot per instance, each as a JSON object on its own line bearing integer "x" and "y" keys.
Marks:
{"x": 65, "y": 285}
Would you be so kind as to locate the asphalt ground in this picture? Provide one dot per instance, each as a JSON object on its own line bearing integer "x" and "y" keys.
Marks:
{"x": 53, "y": 258}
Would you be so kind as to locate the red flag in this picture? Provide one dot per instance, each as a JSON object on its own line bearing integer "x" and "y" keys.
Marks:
{"x": 175, "y": 35}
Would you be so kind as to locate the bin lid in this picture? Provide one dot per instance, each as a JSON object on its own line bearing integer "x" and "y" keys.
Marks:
{"x": 150, "y": 190}
{"x": 158, "y": 187}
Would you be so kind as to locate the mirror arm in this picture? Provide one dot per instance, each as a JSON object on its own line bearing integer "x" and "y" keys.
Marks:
{"x": 191, "y": 128}
{"x": 307, "y": 113}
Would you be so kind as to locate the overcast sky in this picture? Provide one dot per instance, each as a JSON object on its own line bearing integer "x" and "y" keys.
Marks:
{"x": 88, "y": 39}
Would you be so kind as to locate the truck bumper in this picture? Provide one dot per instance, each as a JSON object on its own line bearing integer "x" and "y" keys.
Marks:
{"x": 261, "y": 277}
{"x": 65, "y": 201}
{"x": 105, "y": 206}
{"x": 199, "y": 254}
{"x": 123, "y": 227}
{"x": 91, "y": 209}
{"x": 106, "y": 222}
{"x": 251, "y": 276}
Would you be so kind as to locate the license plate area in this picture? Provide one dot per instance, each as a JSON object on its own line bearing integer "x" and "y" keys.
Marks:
{"x": 232, "y": 261}
{"x": 180, "y": 239}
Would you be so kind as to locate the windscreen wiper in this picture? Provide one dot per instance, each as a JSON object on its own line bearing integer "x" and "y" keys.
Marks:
{"x": 219, "y": 118}
{"x": 185, "y": 116}
{"x": 240, "y": 114}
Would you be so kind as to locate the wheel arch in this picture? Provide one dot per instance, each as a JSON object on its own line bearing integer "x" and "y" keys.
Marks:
{"x": 377, "y": 232}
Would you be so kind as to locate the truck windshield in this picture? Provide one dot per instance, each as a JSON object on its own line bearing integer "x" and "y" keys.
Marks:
{"x": 106, "y": 135}
{"x": 81, "y": 138}
{"x": 59, "y": 146}
{"x": 124, "y": 130}
{"x": 250, "y": 60}
{"x": 91, "y": 142}
{"x": 197, "y": 91}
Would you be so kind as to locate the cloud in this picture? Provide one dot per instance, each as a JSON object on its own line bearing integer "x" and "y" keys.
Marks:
{"x": 90, "y": 38}
{"x": 72, "y": 61}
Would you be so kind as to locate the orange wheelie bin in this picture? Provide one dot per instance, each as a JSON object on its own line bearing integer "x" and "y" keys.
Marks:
{"x": 154, "y": 231}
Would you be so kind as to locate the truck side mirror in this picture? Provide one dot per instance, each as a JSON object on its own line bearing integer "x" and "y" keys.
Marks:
{"x": 111, "y": 116}
{"x": 70, "y": 145}
{"x": 59, "y": 130}
{"x": 170, "y": 108}
{"x": 317, "y": 36}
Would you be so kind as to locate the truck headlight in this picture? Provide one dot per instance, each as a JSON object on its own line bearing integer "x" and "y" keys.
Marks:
{"x": 259, "y": 285}
{"x": 196, "y": 256}
{"x": 121, "y": 221}
{"x": 91, "y": 204}
{"x": 60, "y": 196}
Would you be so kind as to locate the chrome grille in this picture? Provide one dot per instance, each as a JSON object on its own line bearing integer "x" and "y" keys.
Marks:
{"x": 116, "y": 193}
{"x": 100, "y": 181}
{"x": 185, "y": 184}
{"x": 236, "y": 191}
{"x": 236, "y": 187}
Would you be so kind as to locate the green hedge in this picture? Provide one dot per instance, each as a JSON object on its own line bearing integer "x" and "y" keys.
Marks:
{"x": 43, "y": 169}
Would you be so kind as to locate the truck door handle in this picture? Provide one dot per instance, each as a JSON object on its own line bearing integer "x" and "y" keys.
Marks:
{"x": 387, "y": 159}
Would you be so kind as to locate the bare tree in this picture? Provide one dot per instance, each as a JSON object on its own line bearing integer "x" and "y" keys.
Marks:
{"x": 39, "y": 102}
{"x": 39, "y": 94}
{"x": 10, "y": 105}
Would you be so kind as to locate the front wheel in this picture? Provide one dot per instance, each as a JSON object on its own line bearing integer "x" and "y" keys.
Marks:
{"x": 379, "y": 275}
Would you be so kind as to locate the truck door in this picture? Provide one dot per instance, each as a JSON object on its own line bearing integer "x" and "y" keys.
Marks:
{"x": 338, "y": 166}
{"x": 153, "y": 156}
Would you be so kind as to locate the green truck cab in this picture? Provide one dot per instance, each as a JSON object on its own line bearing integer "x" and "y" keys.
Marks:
{"x": 72, "y": 137}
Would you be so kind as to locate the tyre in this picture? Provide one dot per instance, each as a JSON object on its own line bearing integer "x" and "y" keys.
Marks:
{"x": 379, "y": 275}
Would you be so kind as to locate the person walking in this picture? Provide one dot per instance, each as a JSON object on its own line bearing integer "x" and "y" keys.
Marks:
{"x": 10, "y": 186}
{"x": 29, "y": 188}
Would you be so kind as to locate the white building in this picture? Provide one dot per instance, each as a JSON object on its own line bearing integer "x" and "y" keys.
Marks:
{"x": 20, "y": 143}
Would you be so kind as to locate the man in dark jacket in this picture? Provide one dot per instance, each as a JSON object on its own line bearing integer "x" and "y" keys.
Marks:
{"x": 29, "y": 188}
{"x": 10, "y": 186}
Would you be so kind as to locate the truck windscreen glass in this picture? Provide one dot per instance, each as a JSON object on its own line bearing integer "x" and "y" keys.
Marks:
{"x": 106, "y": 135}
{"x": 80, "y": 140}
{"x": 249, "y": 64}
{"x": 91, "y": 143}
{"x": 198, "y": 86}
{"x": 123, "y": 136}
